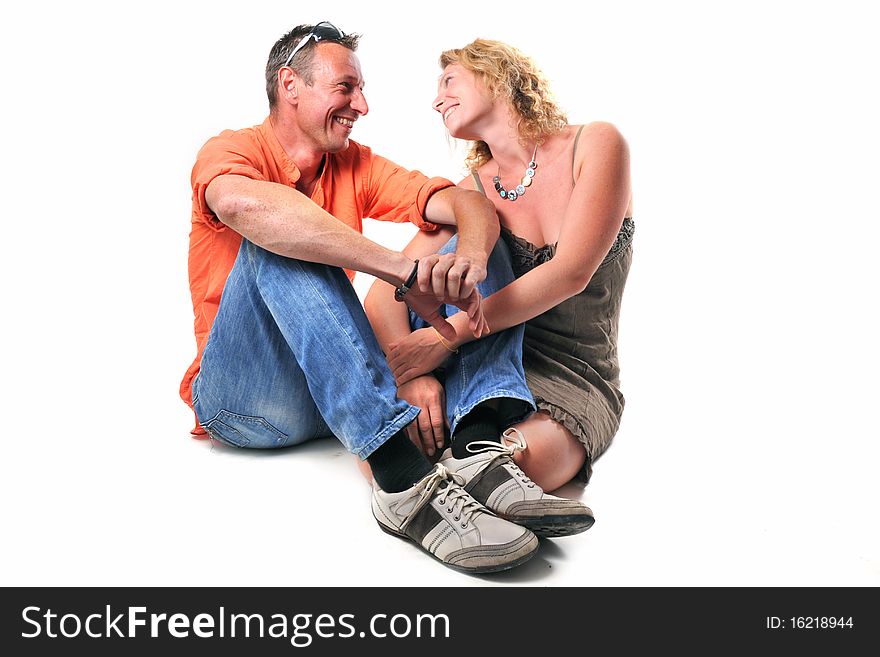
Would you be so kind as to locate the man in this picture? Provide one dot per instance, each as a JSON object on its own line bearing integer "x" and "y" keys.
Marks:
{"x": 287, "y": 354}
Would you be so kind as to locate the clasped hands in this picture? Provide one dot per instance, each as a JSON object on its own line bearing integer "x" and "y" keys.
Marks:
{"x": 452, "y": 279}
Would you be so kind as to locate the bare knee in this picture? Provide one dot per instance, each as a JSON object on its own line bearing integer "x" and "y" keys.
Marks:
{"x": 553, "y": 456}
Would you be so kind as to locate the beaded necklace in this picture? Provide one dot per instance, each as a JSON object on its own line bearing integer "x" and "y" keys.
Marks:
{"x": 519, "y": 190}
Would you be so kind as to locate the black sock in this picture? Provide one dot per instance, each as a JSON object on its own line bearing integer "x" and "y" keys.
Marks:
{"x": 397, "y": 464}
{"x": 480, "y": 424}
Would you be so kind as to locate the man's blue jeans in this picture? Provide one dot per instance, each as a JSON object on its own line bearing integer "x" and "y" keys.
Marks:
{"x": 291, "y": 357}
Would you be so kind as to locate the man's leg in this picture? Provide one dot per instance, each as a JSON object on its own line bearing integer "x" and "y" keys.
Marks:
{"x": 291, "y": 356}
{"x": 290, "y": 353}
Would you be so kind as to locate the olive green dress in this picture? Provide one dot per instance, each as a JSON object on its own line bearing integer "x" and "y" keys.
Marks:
{"x": 570, "y": 351}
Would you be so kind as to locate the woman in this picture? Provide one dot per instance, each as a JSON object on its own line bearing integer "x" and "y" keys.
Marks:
{"x": 564, "y": 187}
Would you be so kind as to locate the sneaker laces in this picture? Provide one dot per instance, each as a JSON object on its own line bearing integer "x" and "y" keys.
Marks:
{"x": 512, "y": 441}
{"x": 451, "y": 492}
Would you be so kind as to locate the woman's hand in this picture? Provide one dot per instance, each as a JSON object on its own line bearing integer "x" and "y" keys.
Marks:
{"x": 419, "y": 353}
{"x": 426, "y": 304}
{"x": 427, "y": 431}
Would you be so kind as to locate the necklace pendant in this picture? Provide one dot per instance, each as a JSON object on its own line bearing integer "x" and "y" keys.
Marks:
{"x": 520, "y": 189}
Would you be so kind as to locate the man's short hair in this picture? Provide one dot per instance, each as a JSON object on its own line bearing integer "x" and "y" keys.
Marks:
{"x": 302, "y": 62}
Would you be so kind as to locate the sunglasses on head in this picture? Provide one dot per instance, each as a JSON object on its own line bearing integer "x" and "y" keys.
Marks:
{"x": 322, "y": 31}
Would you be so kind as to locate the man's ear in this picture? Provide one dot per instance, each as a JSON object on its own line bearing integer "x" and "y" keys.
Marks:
{"x": 288, "y": 83}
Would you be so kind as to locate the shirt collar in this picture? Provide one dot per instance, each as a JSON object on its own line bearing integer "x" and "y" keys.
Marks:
{"x": 278, "y": 151}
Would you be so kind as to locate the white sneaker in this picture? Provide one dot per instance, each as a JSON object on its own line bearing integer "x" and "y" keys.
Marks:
{"x": 441, "y": 518}
{"x": 493, "y": 479}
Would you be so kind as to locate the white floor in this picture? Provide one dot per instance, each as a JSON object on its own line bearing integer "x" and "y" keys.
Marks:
{"x": 155, "y": 507}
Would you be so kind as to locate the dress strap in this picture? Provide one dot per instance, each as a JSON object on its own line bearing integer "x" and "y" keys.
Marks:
{"x": 478, "y": 184}
{"x": 577, "y": 138}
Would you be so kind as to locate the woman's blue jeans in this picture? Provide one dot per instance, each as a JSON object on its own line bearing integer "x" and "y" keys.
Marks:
{"x": 291, "y": 356}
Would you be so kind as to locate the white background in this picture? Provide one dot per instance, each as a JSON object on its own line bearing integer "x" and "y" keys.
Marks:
{"x": 748, "y": 453}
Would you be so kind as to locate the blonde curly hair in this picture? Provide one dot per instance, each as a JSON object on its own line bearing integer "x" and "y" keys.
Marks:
{"x": 509, "y": 74}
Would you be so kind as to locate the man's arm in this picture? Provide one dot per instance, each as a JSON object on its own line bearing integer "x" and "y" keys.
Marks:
{"x": 456, "y": 275}
{"x": 284, "y": 221}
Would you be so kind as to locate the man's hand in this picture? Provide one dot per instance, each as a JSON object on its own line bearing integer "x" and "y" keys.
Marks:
{"x": 451, "y": 279}
{"x": 451, "y": 276}
{"x": 427, "y": 431}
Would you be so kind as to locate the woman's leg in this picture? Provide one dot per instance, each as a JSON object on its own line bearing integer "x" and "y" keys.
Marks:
{"x": 554, "y": 456}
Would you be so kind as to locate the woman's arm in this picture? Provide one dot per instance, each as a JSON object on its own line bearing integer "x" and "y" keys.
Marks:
{"x": 592, "y": 220}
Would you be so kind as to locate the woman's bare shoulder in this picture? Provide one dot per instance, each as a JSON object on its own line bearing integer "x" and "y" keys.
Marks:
{"x": 598, "y": 142}
{"x": 600, "y": 133}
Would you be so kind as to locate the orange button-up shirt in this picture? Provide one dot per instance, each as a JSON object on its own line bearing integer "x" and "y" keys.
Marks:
{"x": 354, "y": 184}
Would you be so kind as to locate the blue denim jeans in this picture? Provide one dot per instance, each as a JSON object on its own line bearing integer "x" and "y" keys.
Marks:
{"x": 291, "y": 356}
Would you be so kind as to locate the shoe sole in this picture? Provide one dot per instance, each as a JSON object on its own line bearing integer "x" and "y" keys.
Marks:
{"x": 554, "y": 526}
{"x": 462, "y": 569}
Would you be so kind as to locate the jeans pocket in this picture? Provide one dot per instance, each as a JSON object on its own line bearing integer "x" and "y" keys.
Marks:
{"x": 244, "y": 431}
